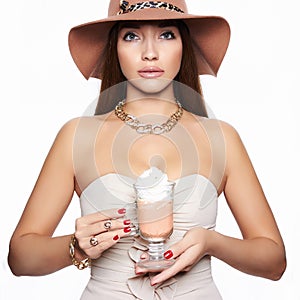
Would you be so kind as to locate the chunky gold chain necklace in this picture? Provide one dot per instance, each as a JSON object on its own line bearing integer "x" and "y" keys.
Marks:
{"x": 141, "y": 128}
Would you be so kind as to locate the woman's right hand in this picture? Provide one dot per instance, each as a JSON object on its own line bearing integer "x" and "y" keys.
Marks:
{"x": 99, "y": 231}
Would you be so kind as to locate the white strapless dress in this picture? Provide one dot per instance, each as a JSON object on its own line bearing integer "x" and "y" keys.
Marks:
{"x": 113, "y": 276}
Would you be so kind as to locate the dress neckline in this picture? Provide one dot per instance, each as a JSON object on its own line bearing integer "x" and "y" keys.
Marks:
{"x": 129, "y": 180}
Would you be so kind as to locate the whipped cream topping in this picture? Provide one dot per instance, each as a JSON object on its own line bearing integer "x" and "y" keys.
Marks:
{"x": 153, "y": 185}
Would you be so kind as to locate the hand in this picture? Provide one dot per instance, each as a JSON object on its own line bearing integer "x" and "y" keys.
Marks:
{"x": 99, "y": 231}
{"x": 187, "y": 252}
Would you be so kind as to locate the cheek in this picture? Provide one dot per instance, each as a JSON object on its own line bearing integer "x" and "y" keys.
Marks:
{"x": 178, "y": 57}
{"x": 120, "y": 53}
{"x": 126, "y": 60}
{"x": 174, "y": 59}
{"x": 178, "y": 53}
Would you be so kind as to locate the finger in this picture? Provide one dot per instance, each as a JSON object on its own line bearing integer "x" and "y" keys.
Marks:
{"x": 114, "y": 213}
{"x": 139, "y": 270}
{"x": 103, "y": 215}
{"x": 111, "y": 237}
{"x": 184, "y": 262}
{"x": 100, "y": 227}
{"x": 104, "y": 241}
{"x": 144, "y": 255}
{"x": 190, "y": 239}
{"x": 98, "y": 231}
{"x": 178, "y": 266}
{"x": 176, "y": 249}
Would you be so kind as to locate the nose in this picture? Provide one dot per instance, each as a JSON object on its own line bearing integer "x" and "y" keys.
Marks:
{"x": 150, "y": 51}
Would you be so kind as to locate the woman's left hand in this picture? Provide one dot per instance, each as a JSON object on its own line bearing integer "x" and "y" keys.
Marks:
{"x": 187, "y": 253}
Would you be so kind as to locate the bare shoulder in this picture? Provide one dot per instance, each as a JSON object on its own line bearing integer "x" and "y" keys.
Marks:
{"x": 226, "y": 128}
{"x": 65, "y": 134}
{"x": 79, "y": 124}
{"x": 238, "y": 162}
{"x": 235, "y": 149}
{"x": 223, "y": 136}
{"x": 229, "y": 132}
{"x": 72, "y": 124}
{"x": 216, "y": 127}
{"x": 234, "y": 144}
{"x": 69, "y": 127}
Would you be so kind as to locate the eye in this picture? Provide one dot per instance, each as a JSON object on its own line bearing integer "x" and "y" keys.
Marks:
{"x": 130, "y": 36}
{"x": 168, "y": 35}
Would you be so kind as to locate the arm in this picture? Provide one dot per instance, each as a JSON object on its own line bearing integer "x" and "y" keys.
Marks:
{"x": 33, "y": 251}
{"x": 261, "y": 251}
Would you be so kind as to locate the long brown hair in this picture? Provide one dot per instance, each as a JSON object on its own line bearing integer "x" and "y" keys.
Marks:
{"x": 186, "y": 85}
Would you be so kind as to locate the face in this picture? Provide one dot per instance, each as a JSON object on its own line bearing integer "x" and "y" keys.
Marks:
{"x": 149, "y": 54}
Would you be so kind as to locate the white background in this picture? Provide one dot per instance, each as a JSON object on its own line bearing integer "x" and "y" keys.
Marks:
{"x": 256, "y": 91}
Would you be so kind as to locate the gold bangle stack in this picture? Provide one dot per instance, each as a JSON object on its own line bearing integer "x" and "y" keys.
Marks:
{"x": 82, "y": 264}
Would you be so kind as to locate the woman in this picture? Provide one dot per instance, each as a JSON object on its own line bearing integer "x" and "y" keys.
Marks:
{"x": 153, "y": 65}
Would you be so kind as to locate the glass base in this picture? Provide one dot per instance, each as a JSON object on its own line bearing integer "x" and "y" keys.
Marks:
{"x": 156, "y": 261}
{"x": 155, "y": 265}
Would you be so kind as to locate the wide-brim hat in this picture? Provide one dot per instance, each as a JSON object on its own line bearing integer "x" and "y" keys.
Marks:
{"x": 210, "y": 34}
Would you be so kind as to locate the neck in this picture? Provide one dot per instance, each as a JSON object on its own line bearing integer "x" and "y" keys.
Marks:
{"x": 140, "y": 103}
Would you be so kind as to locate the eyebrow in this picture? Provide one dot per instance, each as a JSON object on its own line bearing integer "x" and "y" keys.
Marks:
{"x": 129, "y": 25}
{"x": 138, "y": 24}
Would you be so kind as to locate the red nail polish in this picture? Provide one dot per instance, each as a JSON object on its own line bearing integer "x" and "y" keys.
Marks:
{"x": 127, "y": 229}
{"x": 116, "y": 237}
{"x": 121, "y": 211}
{"x": 168, "y": 254}
{"x": 126, "y": 222}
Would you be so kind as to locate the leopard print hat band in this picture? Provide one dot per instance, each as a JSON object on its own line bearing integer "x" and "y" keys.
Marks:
{"x": 126, "y": 8}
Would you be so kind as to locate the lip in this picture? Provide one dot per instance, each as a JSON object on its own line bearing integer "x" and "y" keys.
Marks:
{"x": 151, "y": 72}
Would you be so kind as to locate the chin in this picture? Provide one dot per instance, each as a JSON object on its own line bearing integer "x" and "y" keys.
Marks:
{"x": 151, "y": 86}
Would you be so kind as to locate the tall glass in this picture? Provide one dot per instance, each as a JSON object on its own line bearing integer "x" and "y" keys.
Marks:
{"x": 155, "y": 222}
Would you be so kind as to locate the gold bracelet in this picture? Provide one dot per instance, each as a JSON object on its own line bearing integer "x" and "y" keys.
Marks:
{"x": 80, "y": 265}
